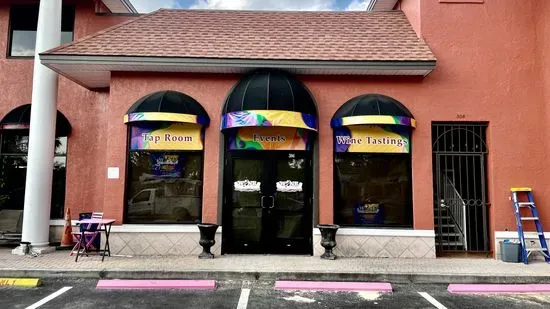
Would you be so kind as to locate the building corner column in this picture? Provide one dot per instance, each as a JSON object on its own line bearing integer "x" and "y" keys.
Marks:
{"x": 38, "y": 187}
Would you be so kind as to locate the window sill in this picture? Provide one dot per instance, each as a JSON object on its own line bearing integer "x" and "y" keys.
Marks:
{"x": 20, "y": 57}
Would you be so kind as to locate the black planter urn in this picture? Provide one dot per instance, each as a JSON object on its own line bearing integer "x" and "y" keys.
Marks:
{"x": 208, "y": 232}
{"x": 328, "y": 239}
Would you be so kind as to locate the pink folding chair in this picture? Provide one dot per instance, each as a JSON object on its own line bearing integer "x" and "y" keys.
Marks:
{"x": 85, "y": 238}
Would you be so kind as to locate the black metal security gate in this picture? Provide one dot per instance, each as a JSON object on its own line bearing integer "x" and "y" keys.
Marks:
{"x": 460, "y": 186}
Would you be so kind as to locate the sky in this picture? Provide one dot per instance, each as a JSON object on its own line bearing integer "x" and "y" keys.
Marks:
{"x": 145, "y": 6}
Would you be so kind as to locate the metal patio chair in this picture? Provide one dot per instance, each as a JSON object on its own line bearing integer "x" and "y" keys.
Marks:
{"x": 86, "y": 236}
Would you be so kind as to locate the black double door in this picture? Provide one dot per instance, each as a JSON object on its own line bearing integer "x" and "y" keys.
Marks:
{"x": 268, "y": 202}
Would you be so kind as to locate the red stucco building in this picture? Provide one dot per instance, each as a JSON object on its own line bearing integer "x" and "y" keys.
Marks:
{"x": 406, "y": 127}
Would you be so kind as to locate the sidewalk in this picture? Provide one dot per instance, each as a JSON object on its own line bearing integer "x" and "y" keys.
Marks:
{"x": 271, "y": 267}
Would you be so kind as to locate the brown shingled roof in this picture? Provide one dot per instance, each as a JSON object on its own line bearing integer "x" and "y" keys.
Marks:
{"x": 317, "y": 36}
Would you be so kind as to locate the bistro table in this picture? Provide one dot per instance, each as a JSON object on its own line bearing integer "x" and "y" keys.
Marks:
{"x": 103, "y": 225}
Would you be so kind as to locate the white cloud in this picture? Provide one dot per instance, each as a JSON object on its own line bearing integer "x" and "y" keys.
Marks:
{"x": 358, "y": 5}
{"x": 288, "y": 5}
{"x": 146, "y": 6}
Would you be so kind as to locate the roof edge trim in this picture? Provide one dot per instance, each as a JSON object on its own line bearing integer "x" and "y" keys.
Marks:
{"x": 65, "y": 64}
{"x": 126, "y": 3}
{"x": 381, "y": 5}
{"x": 91, "y": 59}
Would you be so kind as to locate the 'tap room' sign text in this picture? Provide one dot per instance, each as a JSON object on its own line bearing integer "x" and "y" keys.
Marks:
{"x": 166, "y": 136}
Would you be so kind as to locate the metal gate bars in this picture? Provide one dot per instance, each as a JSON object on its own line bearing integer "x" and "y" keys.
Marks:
{"x": 459, "y": 152}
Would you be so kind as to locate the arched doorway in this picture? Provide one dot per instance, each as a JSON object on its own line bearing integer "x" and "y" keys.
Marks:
{"x": 14, "y": 141}
{"x": 269, "y": 125}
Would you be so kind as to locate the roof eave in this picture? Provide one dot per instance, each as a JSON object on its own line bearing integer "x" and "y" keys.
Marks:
{"x": 381, "y": 5}
{"x": 94, "y": 72}
{"x": 120, "y": 6}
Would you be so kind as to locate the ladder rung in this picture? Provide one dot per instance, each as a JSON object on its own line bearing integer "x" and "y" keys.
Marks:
{"x": 536, "y": 249}
{"x": 529, "y": 218}
{"x": 526, "y": 204}
{"x": 521, "y": 189}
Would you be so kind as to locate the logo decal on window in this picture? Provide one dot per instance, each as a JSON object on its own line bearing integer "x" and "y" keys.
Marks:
{"x": 289, "y": 186}
{"x": 247, "y": 186}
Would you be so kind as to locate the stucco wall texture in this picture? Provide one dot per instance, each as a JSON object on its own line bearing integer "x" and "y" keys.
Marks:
{"x": 493, "y": 65}
{"x": 543, "y": 56}
{"x": 84, "y": 109}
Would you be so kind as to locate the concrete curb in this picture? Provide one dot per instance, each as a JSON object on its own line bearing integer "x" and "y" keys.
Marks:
{"x": 282, "y": 275}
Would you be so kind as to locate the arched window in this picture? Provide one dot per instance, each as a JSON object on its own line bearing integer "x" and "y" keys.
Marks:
{"x": 13, "y": 155}
{"x": 372, "y": 163}
{"x": 165, "y": 159}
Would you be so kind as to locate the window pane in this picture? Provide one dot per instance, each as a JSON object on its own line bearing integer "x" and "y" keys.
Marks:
{"x": 67, "y": 18}
{"x": 289, "y": 197}
{"x": 12, "y": 182}
{"x": 61, "y": 145}
{"x": 372, "y": 189}
{"x": 22, "y": 43}
{"x": 165, "y": 187}
{"x": 58, "y": 187}
{"x": 13, "y": 172}
{"x": 23, "y": 24}
{"x": 15, "y": 142}
{"x": 246, "y": 214}
{"x": 24, "y": 17}
{"x": 66, "y": 37}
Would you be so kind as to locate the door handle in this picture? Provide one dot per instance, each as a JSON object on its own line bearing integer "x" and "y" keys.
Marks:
{"x": 272, "y": 202}
{"x": 262, "y": 201}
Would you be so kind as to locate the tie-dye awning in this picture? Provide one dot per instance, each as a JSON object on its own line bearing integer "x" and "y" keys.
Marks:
{"x": 269, "y": 118}
{"x": 169, "y": 117}
{"x": 373, "y": 119}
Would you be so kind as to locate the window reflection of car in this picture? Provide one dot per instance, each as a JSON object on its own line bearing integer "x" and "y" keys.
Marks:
{"x": 155, "y": 204}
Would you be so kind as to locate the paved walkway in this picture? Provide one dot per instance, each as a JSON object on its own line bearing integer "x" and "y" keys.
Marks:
{"x": 270, "y": 267}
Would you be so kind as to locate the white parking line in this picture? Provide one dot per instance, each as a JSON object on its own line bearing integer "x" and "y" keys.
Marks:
{"x": 50, "y": 297}
{"x": 432, "y": 300}
{"x": 243, "y": 300}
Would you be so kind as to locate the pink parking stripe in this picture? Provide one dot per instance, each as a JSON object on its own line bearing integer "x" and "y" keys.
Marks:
{"x": 157, "y": 284}
{"x": 498, "y": 288}
{"x": 334, "y": 286}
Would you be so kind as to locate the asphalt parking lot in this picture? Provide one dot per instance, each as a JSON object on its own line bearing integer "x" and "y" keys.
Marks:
{"x": 257, "y": 294}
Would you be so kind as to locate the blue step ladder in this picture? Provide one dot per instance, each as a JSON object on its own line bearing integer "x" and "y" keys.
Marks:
{"x": 530, "y": 204}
